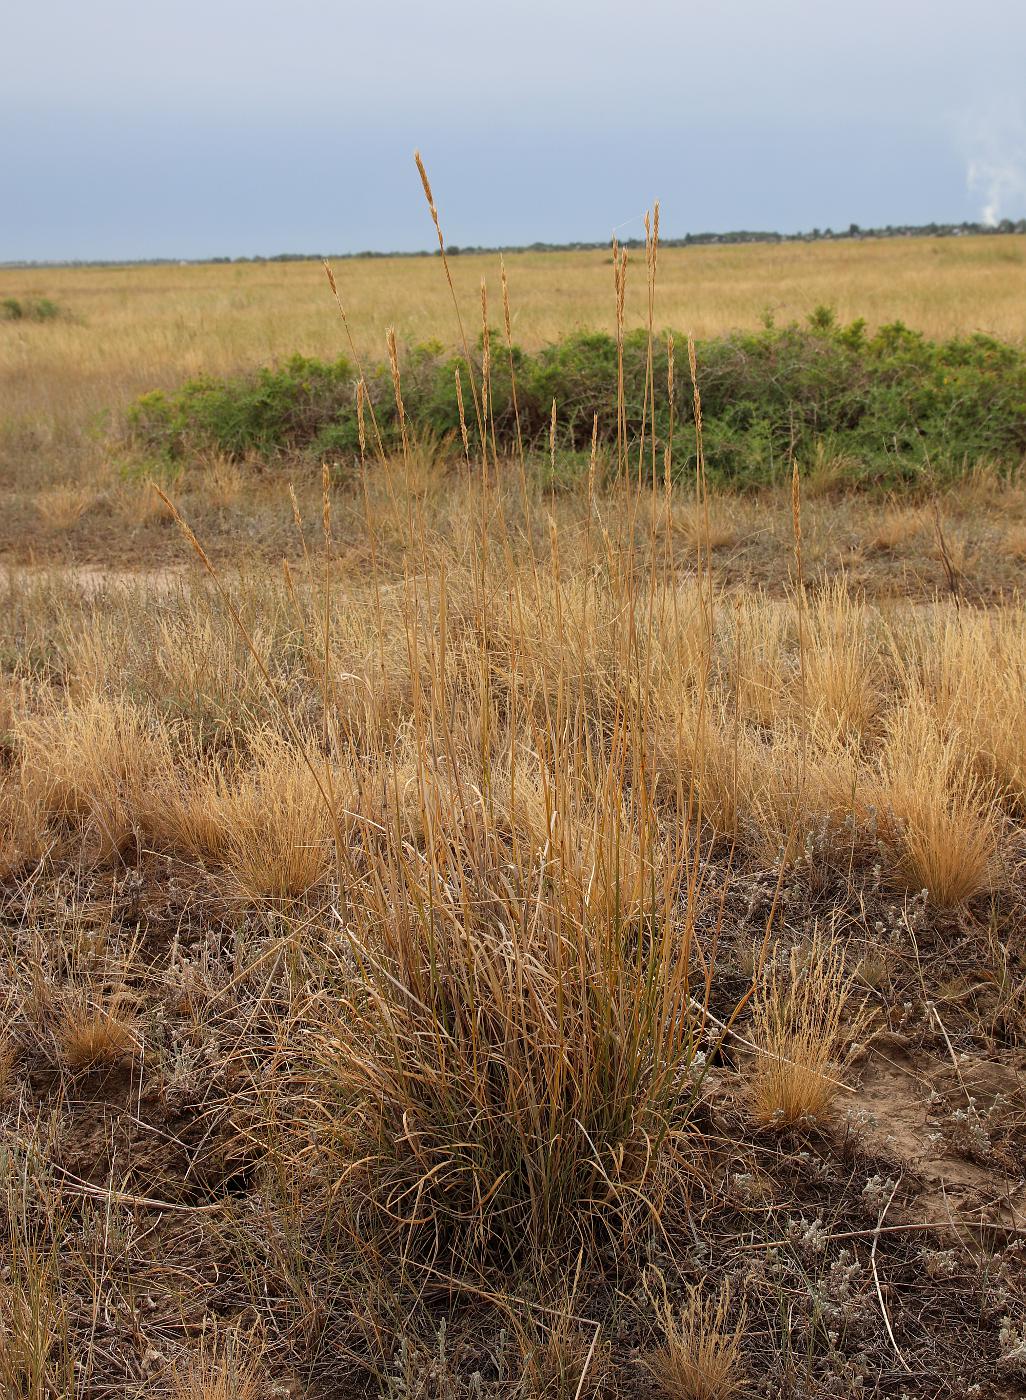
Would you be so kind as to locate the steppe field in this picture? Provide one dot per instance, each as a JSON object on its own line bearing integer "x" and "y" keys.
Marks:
{"x": 513, "y": 826}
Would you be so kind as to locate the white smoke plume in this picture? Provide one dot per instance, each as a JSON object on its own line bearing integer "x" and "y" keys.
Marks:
{"x": 996, "y": 166}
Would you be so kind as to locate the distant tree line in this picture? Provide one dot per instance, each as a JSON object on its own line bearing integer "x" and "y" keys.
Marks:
{"x": 689, "y": 240}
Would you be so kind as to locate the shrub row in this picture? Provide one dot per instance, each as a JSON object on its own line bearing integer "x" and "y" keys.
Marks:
{"x": 30, "y": 309}
{"x": 893, "y": 402}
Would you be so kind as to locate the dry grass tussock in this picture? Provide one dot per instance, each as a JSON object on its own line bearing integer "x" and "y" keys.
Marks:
{"x": 60, "y": 507}
{"x": 939, "y": 814}
{"x": 840, "y": 681}
{"x": 516, "y": 1042}
{"x": 93, "y": 1030}
{"x": 807, "y": 1022}
{"x": 1014, "y": 541}
{"x": 136, "y": 503}
{"x": 90, "y": 763}
{"x": 974, "y": 668}
{"x": 263, "y": 818}
{"x": 699, "y": 1357}
{"x": 221, "y": 482}
{"x": 899, "y": 528}
{"x": 274, "y": 823}
{"x": 223, "y": 1367}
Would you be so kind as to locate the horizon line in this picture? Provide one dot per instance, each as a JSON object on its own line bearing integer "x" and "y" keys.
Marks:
{"x": 854, "y": 233}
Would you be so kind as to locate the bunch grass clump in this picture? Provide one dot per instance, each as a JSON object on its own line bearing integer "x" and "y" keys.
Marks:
{"x": 700, "y": 1356}
{"x": 512, "y": 1064}
{"x": 90, "y": 762}
{"x": 225, "y": 1366}
{"x": 275, "y": 830}
{"x": 808, "y": 1020}
{"x": 941, "y": 818}
{"x": 61, "y": 507}
{"x": 94, "y": 1031}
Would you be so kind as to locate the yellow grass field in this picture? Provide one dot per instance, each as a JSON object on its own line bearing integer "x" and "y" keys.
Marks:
{"x": 135, "y": 328}
{"x": 539, "y": 941}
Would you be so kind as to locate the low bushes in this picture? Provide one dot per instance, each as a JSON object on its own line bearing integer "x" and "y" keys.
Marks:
{"x": 888, "y": 406}
{"x": 29, "y": 309}
{"x": 284, "y": 407}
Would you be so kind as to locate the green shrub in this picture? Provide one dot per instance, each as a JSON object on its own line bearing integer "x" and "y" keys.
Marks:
{"x": 893, "y": 402}
{"x": 279, "y": 409}
{"x": 37, "y": 309}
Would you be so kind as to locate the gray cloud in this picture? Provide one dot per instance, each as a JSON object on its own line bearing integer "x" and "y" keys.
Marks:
{"x": 240, "y": 126}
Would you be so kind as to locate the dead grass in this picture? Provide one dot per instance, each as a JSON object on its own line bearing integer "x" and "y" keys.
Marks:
{"x": 136, "y": 503}
{"x": 829, "y": 472}
{"x": 841, "y": 680}
{"x": 700, "y": 1355}
{"x": 275, "y": 824}
{"x": 223, "y": 1367}
{"x": 1014, "y": 541}
{"x": 24, "y": 833}
{"x": 36, "y": 1356}
{"x": 93, "y": 1030}
{"x": 784, "y": 750}
{"x": 90, "y": 761}
{"x": 221, "y": 483}
{"x": 940, "y": 817}
{"x": 187, "y": 805}
{"x": 61, "y": 507}
{"x": 715, "y": 525}
{"x": 8, "y": 1055}
{"x": 807, "y": 1020}
{"x": 432, "y": 876}
{"x": 760, "y": 656}
{"x": 487, "y": 1072}
{"x": 899, "y": 528}
{"x": 958, "y": 550}
{"x": 466, "y": 1018}
{"x": 974, "y": 669}
{"x": 801, "y": 791}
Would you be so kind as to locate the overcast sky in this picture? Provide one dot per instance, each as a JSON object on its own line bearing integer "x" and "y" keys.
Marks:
{"x": 232, "y": 127}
